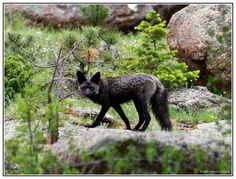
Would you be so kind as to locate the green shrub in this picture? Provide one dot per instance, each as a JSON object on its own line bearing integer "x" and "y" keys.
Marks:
{"x": 109, "y": 36}
{"x": 153, "y": 55}
{"x": 18, "y": 73}
{"x": 25, "y": 45}
{"x": 94, "y": 14}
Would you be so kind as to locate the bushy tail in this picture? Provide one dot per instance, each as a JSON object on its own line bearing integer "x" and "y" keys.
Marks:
{"x": 160, "y": 109}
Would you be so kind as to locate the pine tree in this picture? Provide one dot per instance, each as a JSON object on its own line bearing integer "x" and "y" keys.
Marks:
{"x": 94, "y": 14}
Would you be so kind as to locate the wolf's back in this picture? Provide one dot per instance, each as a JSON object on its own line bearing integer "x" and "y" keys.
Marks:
{"x": 136, "y": 83}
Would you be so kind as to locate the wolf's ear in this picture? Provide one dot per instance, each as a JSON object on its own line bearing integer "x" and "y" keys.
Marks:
{"x": 96, "y": 78}
{"x": 80, "y": 76}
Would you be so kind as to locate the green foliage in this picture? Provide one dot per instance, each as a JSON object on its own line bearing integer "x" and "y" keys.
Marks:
{"x": 224, "y": 164}
{"x": 151, "y": 152}
{"x": 173, "y": 161}
{"x": 24, "y": 149}
{"x": 109, "y": 36}
{"x": 69, "y": 39}
{"x": 94, "y": 14}
{"x": 226, "y": 112}
{"x": 153, "y": 27}
{"x": 16, "y": 43}
{"x": 20, "y": 159}
{"x": 25, "y": 154}
{"x": 200, "y": 159}
{"x": 18, "y": 74}
{"x": 130, "y": 158}
{"x": 90, "y": 35}
{"x": 154, "y": 56}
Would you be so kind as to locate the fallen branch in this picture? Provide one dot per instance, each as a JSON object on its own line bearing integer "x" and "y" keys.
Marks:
{"x": 68, "y": 95}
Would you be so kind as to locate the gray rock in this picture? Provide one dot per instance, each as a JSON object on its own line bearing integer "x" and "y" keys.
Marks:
{"x": 212, "y": 128}
{"x": 98, "y": 139}
{"x": 196, "y": 98}
{"x": 194, "y": 30}
{"x": 10, "y": 129}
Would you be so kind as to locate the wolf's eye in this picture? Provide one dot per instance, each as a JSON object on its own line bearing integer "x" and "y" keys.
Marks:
{"x": 83, "y": 87}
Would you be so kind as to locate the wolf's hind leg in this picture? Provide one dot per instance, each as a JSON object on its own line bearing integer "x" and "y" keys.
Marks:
{"x": 147, "y": 121}
{"x": 139, "y": 108}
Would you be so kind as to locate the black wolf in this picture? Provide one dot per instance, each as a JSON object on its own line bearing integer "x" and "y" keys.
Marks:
{"x": 141, "y": 88}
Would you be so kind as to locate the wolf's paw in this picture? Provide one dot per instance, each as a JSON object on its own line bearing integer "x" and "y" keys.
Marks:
{"x": 136, "y": 130}
{"x": 90, "y": 126}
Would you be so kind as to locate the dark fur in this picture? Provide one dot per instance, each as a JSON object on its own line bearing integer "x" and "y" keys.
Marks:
{"x": 141, "y": 88}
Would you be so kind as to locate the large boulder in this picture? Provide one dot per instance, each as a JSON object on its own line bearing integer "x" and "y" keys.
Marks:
{"x": 196, "y": 98}
{"x": 202, "y": 35}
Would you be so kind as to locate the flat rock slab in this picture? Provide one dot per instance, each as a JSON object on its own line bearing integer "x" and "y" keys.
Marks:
{"x": 196, "y": 98}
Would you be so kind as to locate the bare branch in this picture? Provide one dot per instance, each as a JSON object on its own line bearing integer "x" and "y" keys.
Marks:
{"x": 54, "y": 73}
{"x": 75, "y": 45}
{"x": 76, "y": 57}
{"x": 38, "y": 66}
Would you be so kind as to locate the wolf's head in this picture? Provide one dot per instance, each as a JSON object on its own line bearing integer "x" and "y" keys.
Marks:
{"x": 88, "y": 87}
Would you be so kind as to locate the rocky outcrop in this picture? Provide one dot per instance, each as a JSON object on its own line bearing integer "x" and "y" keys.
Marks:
{"x": 99, "y": 139}
{"x": 10, "y": 129}
{"x": 196, "y": 98}
{"x": 221, "y": 128}
{"x": 124, "y": 17}
{"x": 202, "y": 35}
{"x": 69, "y": 15}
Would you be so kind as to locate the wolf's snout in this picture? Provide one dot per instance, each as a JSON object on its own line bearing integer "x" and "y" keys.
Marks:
{"x": 87, "y": 92}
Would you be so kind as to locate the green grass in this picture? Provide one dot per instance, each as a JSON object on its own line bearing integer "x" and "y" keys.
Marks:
{"x": 194, "y": 117}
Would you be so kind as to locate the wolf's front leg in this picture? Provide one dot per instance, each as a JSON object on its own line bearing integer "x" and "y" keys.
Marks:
{"x": 100, "y": 116}
{"x": 120, "y": 111}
